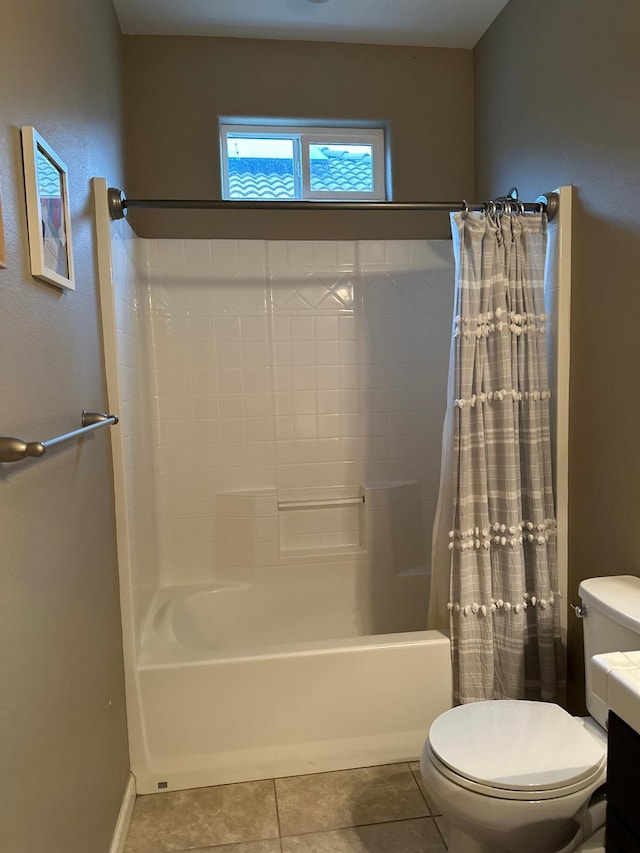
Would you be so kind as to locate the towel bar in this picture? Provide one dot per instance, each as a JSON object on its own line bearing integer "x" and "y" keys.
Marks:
{"x": 15, "y": 449}
{"x": 318, "y": 504}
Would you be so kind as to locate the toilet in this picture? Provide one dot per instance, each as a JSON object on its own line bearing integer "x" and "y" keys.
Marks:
{"x": 527, "y": 777}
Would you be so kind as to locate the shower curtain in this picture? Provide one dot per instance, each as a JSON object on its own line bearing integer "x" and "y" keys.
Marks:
{"x": 494, "y": 549}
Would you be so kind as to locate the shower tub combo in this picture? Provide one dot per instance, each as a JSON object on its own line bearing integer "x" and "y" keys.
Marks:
{"x": 273, "y": 566}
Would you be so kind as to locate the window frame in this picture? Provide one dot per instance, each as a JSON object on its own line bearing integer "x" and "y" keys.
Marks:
{"x": 302, "y": 137}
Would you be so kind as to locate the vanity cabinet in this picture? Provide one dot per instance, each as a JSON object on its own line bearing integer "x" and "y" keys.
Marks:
{"x": 623, "y": 788}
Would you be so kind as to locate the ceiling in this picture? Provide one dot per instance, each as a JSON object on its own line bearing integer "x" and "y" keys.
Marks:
{"x": 433, "y": 23}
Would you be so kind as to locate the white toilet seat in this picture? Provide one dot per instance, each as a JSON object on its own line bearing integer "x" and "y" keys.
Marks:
{"x": 516, "y": 750}
{"x": 506, "y": 794}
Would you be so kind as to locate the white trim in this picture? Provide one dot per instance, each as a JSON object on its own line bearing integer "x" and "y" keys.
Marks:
{"x": 124, "y": 816}
{"x": 561, "y": 392}
{"x": 104, "y": 228}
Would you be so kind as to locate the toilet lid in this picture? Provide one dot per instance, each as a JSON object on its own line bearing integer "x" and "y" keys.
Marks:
{"x": 515, "y": 745}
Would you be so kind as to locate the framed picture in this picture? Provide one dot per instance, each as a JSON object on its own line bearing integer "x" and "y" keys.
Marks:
{"x": 48, "y": 220}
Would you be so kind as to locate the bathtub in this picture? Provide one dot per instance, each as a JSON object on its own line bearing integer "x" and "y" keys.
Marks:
{"x": 281, "y": 697}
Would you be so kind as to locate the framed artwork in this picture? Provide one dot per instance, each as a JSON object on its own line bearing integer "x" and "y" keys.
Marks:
{"x": 48, "y": 219}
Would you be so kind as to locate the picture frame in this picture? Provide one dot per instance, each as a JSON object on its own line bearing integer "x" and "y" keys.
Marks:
{"x": 48, "y": 217}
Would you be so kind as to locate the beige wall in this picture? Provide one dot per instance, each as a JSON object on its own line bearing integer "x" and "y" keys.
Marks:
{"x": 177, "y": 87}
{"x": 557, "y": 103}
{"x": 63, "y": 748}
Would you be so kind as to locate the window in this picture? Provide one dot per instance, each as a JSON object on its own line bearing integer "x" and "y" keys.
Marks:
{"x": 267, "y": 163}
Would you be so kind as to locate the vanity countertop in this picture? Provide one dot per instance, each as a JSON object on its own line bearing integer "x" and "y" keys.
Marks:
{"x": 615, "y": 678}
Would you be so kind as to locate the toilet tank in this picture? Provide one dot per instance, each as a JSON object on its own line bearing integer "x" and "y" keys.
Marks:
{"x": 611, "y": 624}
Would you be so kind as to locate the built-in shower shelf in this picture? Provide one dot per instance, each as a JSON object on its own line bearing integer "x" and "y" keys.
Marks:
{"x": 321, "y": 521}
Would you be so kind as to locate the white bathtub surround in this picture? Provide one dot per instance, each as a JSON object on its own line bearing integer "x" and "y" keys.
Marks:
{"x": 290, "y": 366}
{"x": 502, "y": 567}
{"x": 276, "y": 473}
{"x": 291, "y": 604}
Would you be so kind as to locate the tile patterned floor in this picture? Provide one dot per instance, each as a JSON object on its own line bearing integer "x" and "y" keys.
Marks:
{"x": 382, "y": 809}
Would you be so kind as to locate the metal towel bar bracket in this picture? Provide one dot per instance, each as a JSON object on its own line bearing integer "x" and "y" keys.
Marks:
{"x": 16, "y": 449}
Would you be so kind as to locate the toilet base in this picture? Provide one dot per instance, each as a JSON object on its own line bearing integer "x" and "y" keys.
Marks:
{"x": 588, "y": 838}
{"x": 595, "y": 844}
{"x": 485, "y": 824}
{"x": 459, "y": 842}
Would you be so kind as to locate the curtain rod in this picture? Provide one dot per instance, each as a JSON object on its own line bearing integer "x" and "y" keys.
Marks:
{"x": 119, "y": 204}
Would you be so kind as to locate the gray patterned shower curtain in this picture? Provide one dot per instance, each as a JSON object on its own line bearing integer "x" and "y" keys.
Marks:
{"x": 494, "y": 555}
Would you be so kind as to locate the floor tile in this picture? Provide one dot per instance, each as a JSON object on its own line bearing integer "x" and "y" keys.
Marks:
{"x": 415, "y": 769}
{"x": 443, "y": 826}
{"x": 201, "y": 817}
{"x": 404, "y": 836}
{"x": 272, "y": 845}
{"x": 345, "y": 798}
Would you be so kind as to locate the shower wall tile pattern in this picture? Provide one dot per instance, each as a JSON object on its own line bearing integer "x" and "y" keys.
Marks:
{"x": 135, "y": 378}
{"x": 287, "y": 365}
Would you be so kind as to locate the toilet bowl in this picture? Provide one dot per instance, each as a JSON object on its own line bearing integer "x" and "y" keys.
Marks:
{"x": 527, "y": 777}
{"x": 517, "y": 777}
